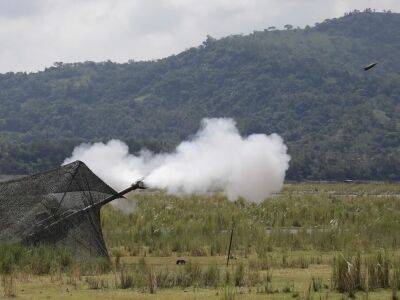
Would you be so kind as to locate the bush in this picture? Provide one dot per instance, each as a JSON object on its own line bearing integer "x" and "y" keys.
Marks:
{"x": 229, "y": 293}
{"x": 126, "y": 280}
{"x": 350, "y": 275}
{"x": 378, "y": 271}
{"x": 8, "y": 282}
{"x": 165, "y": 278}
{"x": 212, "y": 276}
{"x": 240, "y": 275}
{"x": 95, "y": 283}
{"x": 193, "y": 273}
{"x": 316, "y": 284}
{"x": 395, "y": 282}
{"x": 11, "y": 257}
{"x": 151, "y": 281}
{"x": 347, "y": 275}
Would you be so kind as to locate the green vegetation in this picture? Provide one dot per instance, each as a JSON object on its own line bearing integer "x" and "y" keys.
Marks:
{"x": 320, "y": 217}
{"x": 311, "y": 241}
{"x": 305, "y": 84}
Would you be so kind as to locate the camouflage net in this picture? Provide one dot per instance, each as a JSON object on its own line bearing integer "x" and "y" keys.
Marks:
{"x": 37, "y": 209}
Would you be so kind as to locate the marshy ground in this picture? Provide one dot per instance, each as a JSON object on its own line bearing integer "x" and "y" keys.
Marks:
{"x": 312, "y": 241}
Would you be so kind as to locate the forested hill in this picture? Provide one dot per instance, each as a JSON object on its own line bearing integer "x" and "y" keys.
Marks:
{"x": 305, "y": 84}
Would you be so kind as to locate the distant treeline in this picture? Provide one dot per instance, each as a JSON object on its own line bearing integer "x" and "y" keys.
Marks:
{"x": 307, "y": 85}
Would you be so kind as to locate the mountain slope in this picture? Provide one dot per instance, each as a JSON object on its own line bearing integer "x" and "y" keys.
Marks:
{"x": 304, "y": 84}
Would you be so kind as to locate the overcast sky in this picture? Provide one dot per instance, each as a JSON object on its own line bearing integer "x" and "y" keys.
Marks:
{"x": 37, "y": 33}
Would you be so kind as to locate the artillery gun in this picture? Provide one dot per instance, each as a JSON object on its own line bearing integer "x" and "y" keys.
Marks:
{"x": 60, "y": 207}
{"x": 59, "y": 223}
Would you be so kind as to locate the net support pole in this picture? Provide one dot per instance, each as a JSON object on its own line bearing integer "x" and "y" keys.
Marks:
{"x": 230, "y": 244}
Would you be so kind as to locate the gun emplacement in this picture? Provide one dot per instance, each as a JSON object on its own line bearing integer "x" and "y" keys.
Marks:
{"x": 53, "y": 224}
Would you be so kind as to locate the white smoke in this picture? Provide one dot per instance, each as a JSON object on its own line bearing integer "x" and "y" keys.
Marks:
{"x": 217, "y": 158}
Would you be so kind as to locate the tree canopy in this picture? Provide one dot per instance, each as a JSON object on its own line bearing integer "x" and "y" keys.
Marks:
{"x": 307, "y": 85}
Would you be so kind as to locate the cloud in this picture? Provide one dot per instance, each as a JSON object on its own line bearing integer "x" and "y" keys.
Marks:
{"x": 37, "y": 33}
{"x": 14, "y": 9}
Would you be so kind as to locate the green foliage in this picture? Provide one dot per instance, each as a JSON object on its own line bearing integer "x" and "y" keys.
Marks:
{"x": 11, "y": 256}
{"x": 338, "y": 217}
{"x": 126, "y": 280}
{"x": 212, "y": 276}
{"x": 228, "y": 294}
{"x": 378, "y": 271}
{"x": 190, "y": 275}
{"x": 45, "y": 260}
{"x": 239, "y": 275}
{"x": 352, "y": 274}
{"x": 347, "y": 275}
{"x": 317, "y": 284}
{"x": 305, "y": 84}
{"x": 96, "y": 283}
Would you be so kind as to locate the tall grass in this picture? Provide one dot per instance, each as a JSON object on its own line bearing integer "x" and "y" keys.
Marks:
{"x": 266, "y": 236}
{"x": 151, "y": 278}
{"x": 10, "y": 259}
{"x": 164, "y": 225}
{"x": 44, "y": 260}
{"x": 347, "y": 275}
{"x": 353, "y": 273}
{"x": 377, "y": 269}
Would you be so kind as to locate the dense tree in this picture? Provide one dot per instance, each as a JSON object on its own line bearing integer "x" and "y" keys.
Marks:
{"x": 338, "y": 121}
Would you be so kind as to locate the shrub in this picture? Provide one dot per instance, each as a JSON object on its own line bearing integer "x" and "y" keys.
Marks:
{"x": 212, "y": 276}
{"x": 9, "y": 288}
{"x": 240, "y": 275}
{"x": 229, "y": 293}
{"x": 253, "y": 278}
{"x": 396, "y": 278}
{"x": 347, "y": 275}
{"x": 316, "y": 284}
{"x": 151, "y": 281}
{"x": 126, "y": 280}
{"x": 288, "y": 288}
{"x": 378, "y": 271}
{"x": 165, "y": 278}
{"x": 193, "y": 273}
{"x": 96, "y": 283}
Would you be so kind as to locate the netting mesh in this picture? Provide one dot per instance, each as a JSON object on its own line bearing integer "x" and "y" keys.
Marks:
{"x": 43, "y": 208}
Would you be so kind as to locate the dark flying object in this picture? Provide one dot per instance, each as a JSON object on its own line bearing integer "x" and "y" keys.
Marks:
{"x": 370, "y": 66}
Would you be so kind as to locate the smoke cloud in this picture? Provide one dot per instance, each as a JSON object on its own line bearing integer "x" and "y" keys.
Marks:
{"x": 217, "y": 158}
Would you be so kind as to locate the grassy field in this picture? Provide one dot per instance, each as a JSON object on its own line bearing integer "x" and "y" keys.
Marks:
{"x": 312, "y": 241}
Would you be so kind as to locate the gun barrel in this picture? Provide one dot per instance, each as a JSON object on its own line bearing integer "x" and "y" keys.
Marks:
{"x": 137, "y": 185}
{"x": 47, "y": 228}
